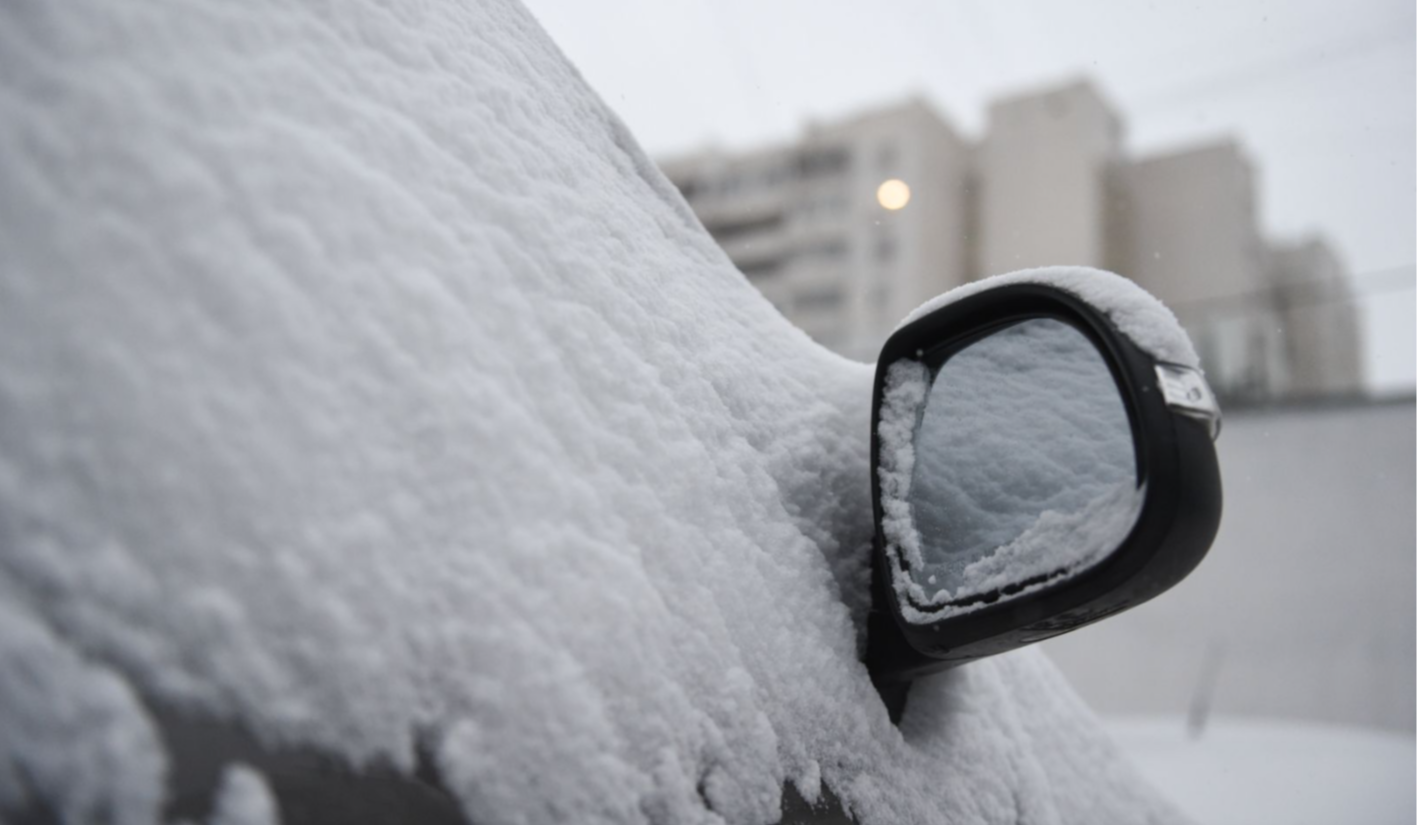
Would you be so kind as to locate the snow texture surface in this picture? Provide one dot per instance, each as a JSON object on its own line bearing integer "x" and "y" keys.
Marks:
{"x": 1012, "y": 461}
{"x": 1133, "y": 310}
{"x": 362, "y": 382}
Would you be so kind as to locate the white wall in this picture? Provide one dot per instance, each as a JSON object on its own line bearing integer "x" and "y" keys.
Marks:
{"x": 1307, "y": 595}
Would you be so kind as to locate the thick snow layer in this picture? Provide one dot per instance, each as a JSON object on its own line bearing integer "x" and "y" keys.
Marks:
{"x": 362, "y": 382}
{"x": 1013, "y": 461}
{"x": 73, "y": 737}
{"x": 1134, "y": 311}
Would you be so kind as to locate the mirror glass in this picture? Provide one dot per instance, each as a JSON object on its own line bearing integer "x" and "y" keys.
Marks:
{"x": 1023, "y": 468}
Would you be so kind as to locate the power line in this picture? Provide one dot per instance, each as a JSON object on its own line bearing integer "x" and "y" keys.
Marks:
{"x": 1285, "y": 65}
{"x": 1310, "y": 292}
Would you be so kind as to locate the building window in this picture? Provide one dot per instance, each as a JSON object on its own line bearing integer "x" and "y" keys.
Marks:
{"x": 822, "y": 204}
{"x": 776, "y": 174}
{"x": 821, "y": 298}
{"x": 761, "y": 270}
{"x": 825, "y": 250}
{"x": 725, "y": 231}
{"x": 815, "y": 163}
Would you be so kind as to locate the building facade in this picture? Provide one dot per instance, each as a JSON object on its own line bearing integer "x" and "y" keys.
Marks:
{"x": 1187, "y": 230}
{"x": 1042, "y": 177}
{"x": 1316, "y": 307}
{"x": 805, "y": 224}
{"x": 819, "y": 226}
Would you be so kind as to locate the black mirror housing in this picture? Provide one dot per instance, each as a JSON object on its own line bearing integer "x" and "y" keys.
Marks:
{"x": 1173, "y": 422}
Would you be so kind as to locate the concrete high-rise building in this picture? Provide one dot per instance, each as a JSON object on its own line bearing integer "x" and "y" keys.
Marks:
{"x": 1187, "y": 229}
{"x": 852, "y": 226}
{"x": 1320, "y": 318}
{"x": 809, "y": 224}
{"x": 1042, "y": 175}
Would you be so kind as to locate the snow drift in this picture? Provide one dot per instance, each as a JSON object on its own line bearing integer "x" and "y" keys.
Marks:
{"x": 362, "y": 382}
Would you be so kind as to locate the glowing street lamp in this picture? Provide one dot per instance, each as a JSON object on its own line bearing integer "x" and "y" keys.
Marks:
{"x": 894, "y": 194}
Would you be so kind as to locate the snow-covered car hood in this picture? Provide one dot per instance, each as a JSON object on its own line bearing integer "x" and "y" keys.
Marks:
{"x": 364, "y": 384}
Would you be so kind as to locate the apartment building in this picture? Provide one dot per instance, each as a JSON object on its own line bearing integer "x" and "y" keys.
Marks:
{"x": 811, "y": 225}
{"x": 852, "y": 226}
{"x": 1187, "y": 229}
{"x": 1317, "y": 310}
{"x": 1043, "y": 170}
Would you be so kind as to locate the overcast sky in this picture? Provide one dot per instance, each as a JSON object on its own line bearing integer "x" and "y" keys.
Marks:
{"x": 1322, "y": 95}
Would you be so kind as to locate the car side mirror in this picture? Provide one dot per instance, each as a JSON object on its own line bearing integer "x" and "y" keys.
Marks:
{"x": 1034, "y": 470}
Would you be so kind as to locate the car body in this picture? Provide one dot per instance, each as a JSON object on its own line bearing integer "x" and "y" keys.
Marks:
{"x": 374, "y": 415}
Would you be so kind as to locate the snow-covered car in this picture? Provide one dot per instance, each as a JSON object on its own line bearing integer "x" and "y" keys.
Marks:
{"x": 383, "y": 439}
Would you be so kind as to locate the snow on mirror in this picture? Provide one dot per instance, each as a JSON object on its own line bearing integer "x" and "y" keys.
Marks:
{"x": 1005, "y": 468}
